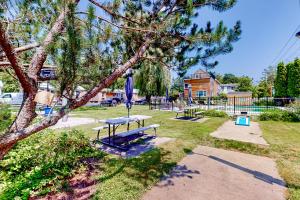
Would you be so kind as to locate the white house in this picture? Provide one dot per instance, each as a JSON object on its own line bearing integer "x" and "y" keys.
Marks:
{"x": 227, "y": 88}
{"x": 1, "y": 86}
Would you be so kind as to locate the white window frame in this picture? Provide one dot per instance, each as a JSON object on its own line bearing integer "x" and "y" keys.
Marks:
{"x": 203, "y": 92}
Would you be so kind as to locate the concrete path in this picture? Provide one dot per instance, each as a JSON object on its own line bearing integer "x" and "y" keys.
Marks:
{"x": 216, "y": 174}
{"x": 229, "y": 130}
{"x": 73, "y": 121}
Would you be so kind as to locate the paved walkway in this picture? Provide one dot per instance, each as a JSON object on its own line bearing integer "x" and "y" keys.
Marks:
{"x": 216, "y": 174}
{"x": 73, "y": 121}
{"x": 229, "y": 130}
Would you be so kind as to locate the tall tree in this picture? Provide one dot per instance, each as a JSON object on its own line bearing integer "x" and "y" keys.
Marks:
{"x": 177, "y": 85}
{"x": 293, "y": 74}
{"x": 269, "y": 75}
{"x": 263, "y": 89}
{"x": 230, "y": 78}
{"x": 96, "y": 48}
{"x": 152, "y": 80}
{"x": 245, "y": 84}
{"x": 281, "y": 82}
{"x": 266, "y": 84}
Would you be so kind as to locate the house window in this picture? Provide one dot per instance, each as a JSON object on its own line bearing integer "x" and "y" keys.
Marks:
{"x": 201, "y": 93}
{"x": 186, "y": 86}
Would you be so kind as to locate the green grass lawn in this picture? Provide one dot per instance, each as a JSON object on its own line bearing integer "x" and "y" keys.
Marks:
{"x": 284, "y": 140}
{"x": 130, "y": 178}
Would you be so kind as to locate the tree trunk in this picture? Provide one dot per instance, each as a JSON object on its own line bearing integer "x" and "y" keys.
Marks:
{"x": 148, "y": 98}
{"x": 25, "y": 115}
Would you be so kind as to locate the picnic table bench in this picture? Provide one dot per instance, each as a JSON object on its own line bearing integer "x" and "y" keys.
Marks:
{"x": 191, "y": 112}
{"x": 121, "y": 140}
{"x": 199, "y": 113}
{"x": 98, "y": 129}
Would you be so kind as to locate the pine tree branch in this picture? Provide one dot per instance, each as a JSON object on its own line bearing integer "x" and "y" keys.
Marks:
{"x": 121, "y": 26}
{"x": 8, "y": 140}
{"x": 114, "y": 76}
{"x": 22, "y": 48}
{"x": 5, "y": 65}
{"x": 10, "y": 54}
{"x": 154, "y": 60}
{"x": 41, "y": 55}
{"x": 112, "y": 13}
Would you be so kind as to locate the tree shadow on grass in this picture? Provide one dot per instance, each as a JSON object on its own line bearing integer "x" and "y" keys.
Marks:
{"x": 147, "y": 169}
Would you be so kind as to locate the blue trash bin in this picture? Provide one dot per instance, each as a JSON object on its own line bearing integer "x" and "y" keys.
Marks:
{"x": 48, "y": 111}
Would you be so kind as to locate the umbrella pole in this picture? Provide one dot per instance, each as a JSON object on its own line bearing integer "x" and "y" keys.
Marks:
{"x": 128, "y": 121}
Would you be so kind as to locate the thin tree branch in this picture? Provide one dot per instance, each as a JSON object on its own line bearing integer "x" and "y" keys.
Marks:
{"x": 114, "y": 76}
{"x": 112, "y": 13}
{"x": 10, "y": 54}
{"x": 41, "y": 55}
{"x": 121, "y": 26}
{"x": 22, "y": 48}
{"x": 155, "y": 60}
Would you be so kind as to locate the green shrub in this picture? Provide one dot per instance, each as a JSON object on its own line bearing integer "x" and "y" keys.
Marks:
{"x": 264, "y": 102}
{"x": 280, "y": 115}
{"x": 41, "y": 162}
{"x": 215, "y": 113}
{"x": 5, "y": 117}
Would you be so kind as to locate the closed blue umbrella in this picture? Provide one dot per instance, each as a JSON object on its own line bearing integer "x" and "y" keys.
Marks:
{"x": 129, "y": 90}
{"x": 190, "y": 100}
{"x": 167, "y": 95}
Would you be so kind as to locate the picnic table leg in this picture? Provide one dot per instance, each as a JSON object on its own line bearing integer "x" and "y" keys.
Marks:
{"x": 98, "y": 135}
{"x": 114, "y": 132}
{"x": 109, "y": 133}
{"x": 143, "y": 124}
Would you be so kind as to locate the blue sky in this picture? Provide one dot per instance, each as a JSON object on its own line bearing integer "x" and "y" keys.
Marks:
{"x": 267, "y": 25}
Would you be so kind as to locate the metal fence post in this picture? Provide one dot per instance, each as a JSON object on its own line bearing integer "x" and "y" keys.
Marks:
{"x": 234, "y": 105}
{"x": 208, "y": 103}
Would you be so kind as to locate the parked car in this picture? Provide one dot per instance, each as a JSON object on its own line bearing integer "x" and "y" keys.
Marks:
{"x": 141, "y": 101}
{"x": 12, "y": 98}
{"x": 118, "y": 100}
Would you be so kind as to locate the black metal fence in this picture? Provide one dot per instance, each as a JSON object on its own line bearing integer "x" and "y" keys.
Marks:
{"x": 230, "y": 105}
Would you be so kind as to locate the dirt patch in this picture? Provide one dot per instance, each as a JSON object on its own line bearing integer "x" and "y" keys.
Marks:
{"x": 80, "y": 187}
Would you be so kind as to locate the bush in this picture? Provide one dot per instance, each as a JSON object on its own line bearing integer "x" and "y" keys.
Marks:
{"x": 264, "y": 102}
{"x": 280, "y": 115}
{"x": 5, "y": 117}
{"x": 41, "y": 162}
{"x": 215, "y": 113}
